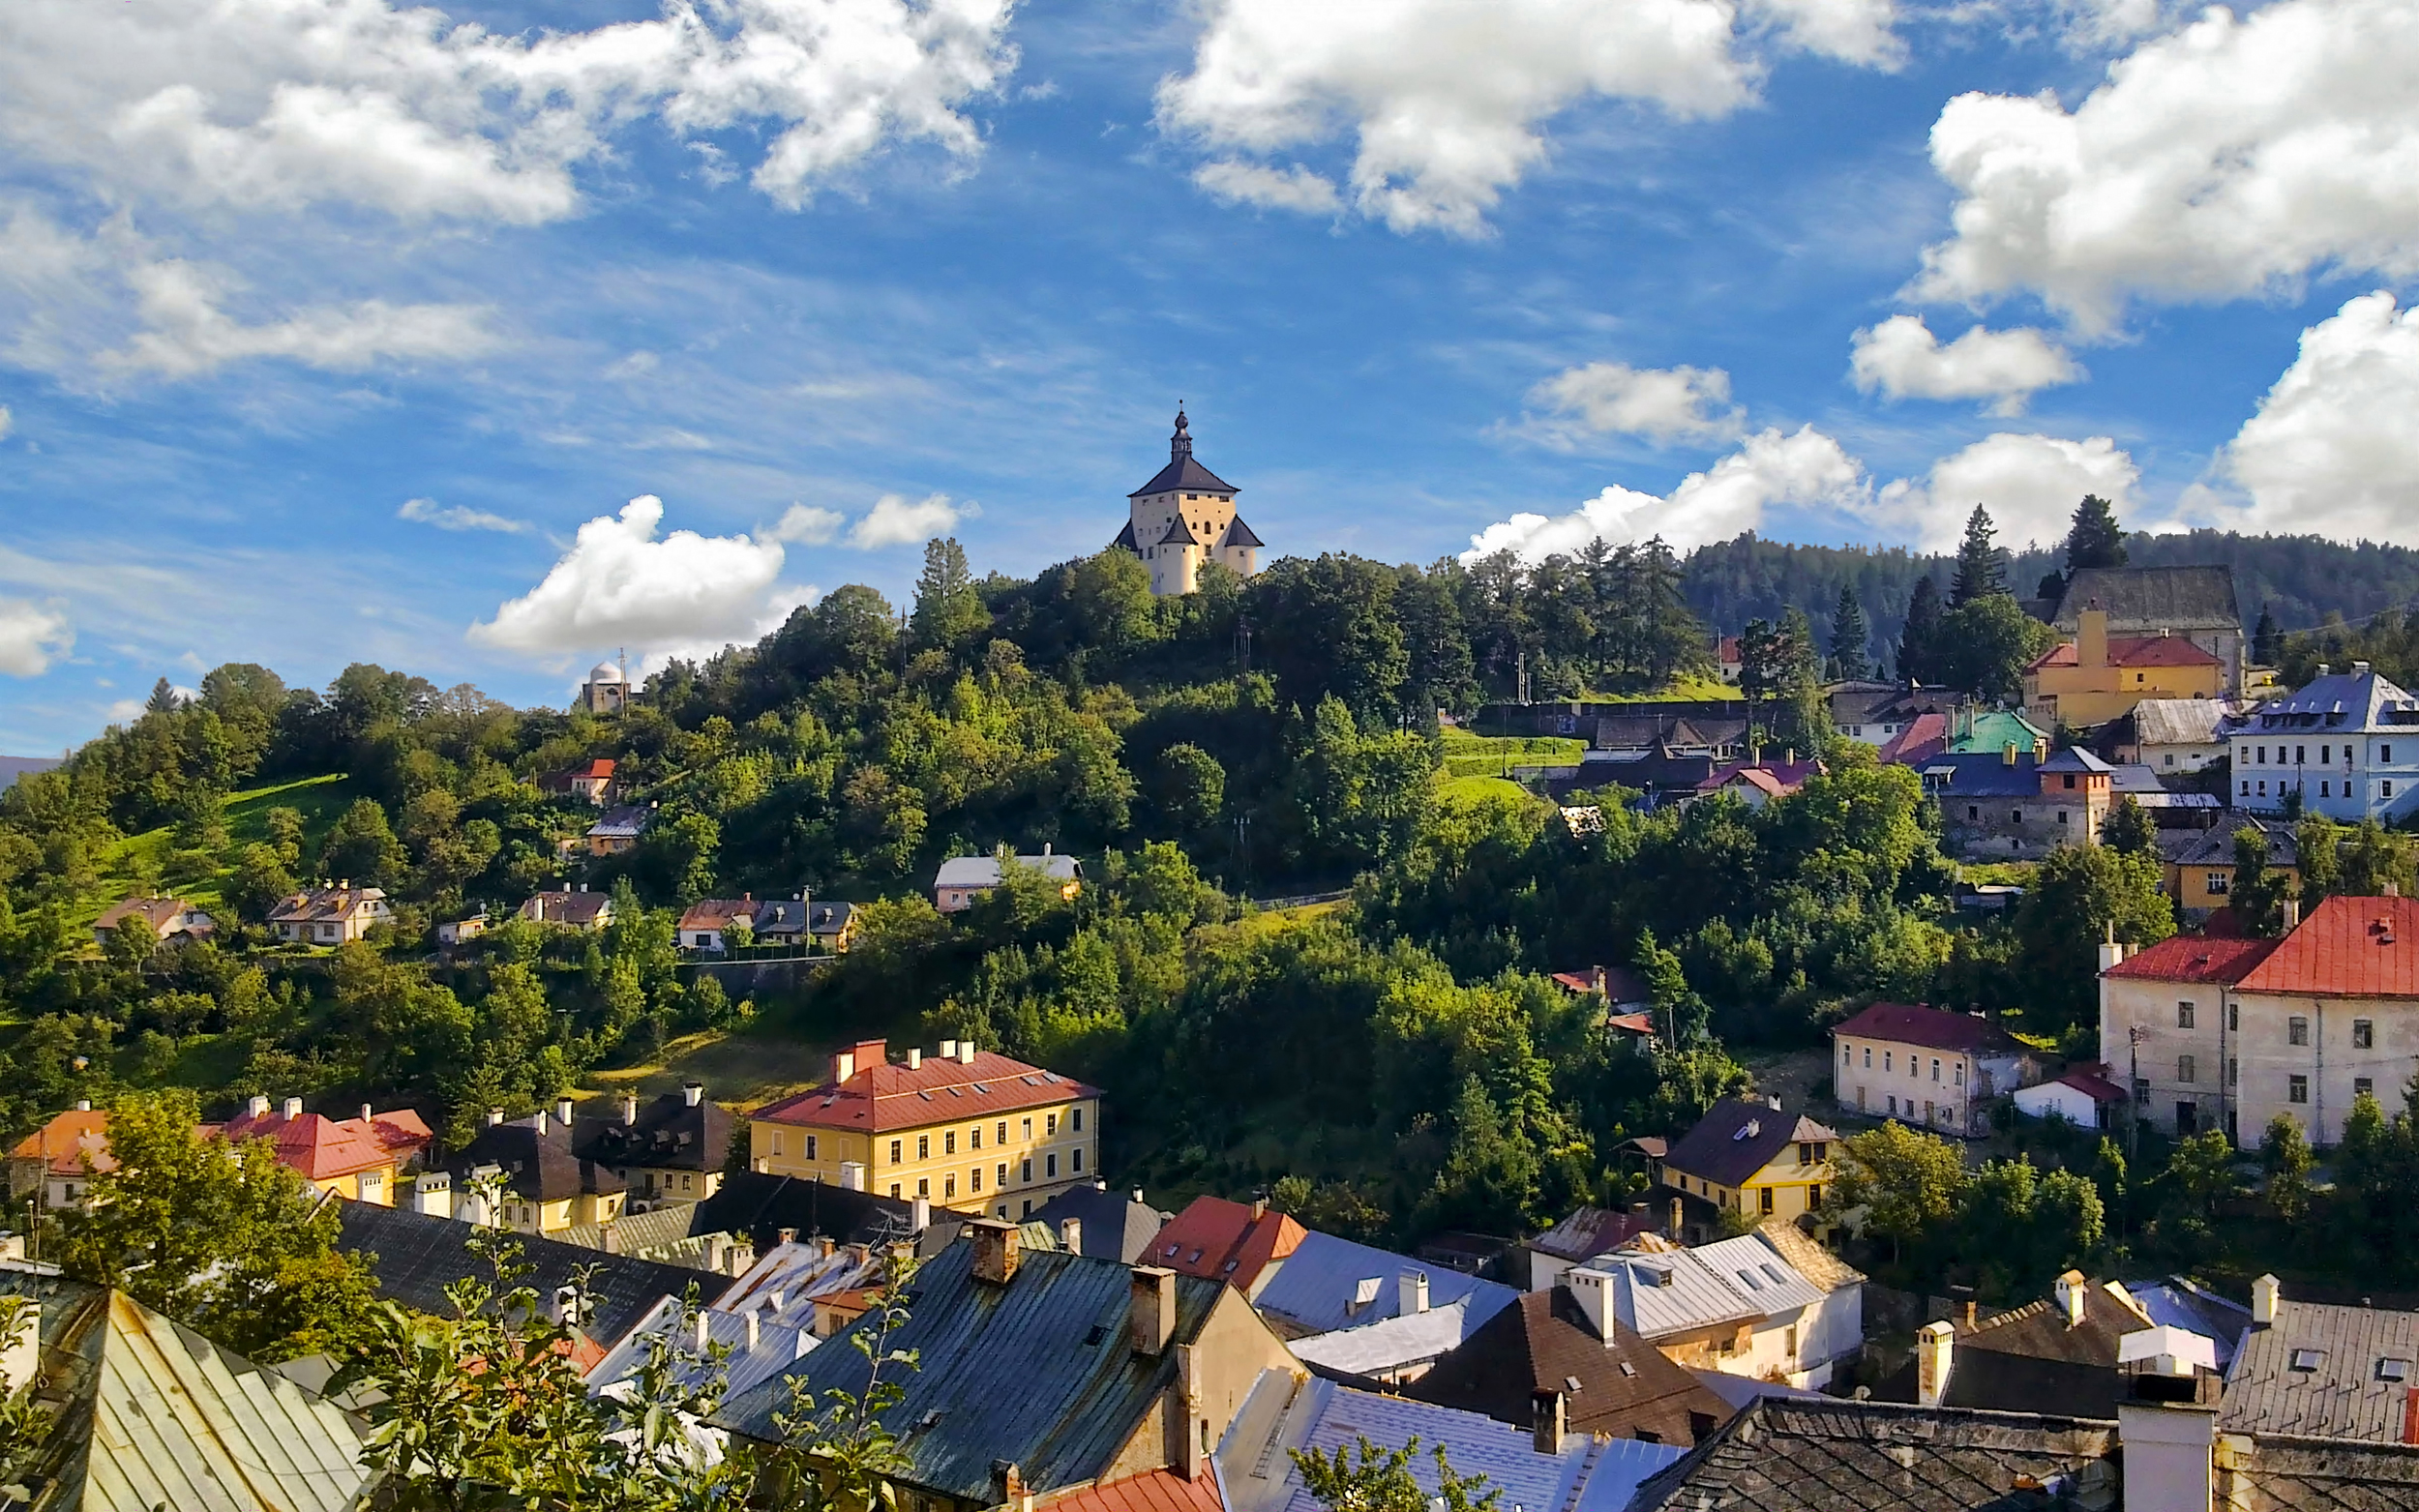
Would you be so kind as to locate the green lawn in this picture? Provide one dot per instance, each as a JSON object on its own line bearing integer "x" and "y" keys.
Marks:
{"x": 1686, "y": 686}
{"x": 1481, "y": 789}
{"x": 151, "y": 858}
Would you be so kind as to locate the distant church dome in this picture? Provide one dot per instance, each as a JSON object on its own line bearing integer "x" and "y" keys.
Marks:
{"x": 605, "y": 673}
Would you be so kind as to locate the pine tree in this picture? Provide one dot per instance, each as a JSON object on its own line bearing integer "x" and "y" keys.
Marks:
{"x": 2267, "y": 639}
{"x": 2095, "y": 539}
{"x": 1919, "y": 654}
{"x": 947, "y": 607}
{"x": 1982, "y": 567}
{"x": 1848, "y": 635}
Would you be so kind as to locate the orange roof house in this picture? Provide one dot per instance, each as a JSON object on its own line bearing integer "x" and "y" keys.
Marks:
{"x": 58, "y": 1157}
{"x": 1239, "y": 1243}
{"x": 360, "y": 1158}
{"x": 2349, "y": 947}
{"x": 2094, "y": 678}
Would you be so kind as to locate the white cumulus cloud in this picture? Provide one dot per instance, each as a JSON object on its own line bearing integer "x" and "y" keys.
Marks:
{"x": 1256, "y": 184}
{"x": 1902, "y": 358}
{"x": 804, "y": 524}
{"x": 266, "y": 103}
{"x": 621, "y": 585}
{"x": 1447, "y": 100}
{"x": 2333, "y": 448}
{"x": 1770, "y": 468}
{"x": 456, "y": 516}
{"x": 2030, "y": 484}
{"x": 2228, "y": 159}
{"x": 895, "y": 519}
{"x": 1614, "y": 399}
{"x": 32, "y": 636}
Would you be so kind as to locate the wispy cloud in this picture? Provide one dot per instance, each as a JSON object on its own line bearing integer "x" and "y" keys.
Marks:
{"x": 456, "y": 516}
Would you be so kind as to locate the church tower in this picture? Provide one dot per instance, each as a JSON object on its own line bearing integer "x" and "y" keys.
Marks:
{"x": 1185, "y": 516}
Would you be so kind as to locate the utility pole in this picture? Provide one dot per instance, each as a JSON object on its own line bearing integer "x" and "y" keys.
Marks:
{"x": 2133, "y": 1096}
{"x": 1242, "y": 854}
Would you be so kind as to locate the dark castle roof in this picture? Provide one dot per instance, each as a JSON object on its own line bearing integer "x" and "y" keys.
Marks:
{"x": 1239, "y": 534}
{"x": 2164, "y": 598}
{"x": 1182, "y": 472}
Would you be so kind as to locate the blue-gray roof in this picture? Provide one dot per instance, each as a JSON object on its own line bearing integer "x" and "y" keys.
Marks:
{"x": 1982, "y": 774}
{"x": 2340, "y": 701}
{"x": 1037, "y": 1373}
{"x": 1314, "y": 1289}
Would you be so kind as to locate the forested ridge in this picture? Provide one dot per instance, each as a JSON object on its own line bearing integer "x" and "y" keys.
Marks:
{"x": 1399, "y": 1063}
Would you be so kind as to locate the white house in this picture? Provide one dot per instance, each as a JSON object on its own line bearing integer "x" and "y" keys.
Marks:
{"x": 2082, "y": 1097}
{"x": 1747, "y": 1306}
{"x": 962, "y": 879}
{"x": 2347, "y": 743}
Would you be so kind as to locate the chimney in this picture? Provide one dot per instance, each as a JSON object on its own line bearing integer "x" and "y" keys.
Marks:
{"x": 948, "y": 1050}
{"x": 433, "y": 1194}
{"x": 2359, "y": 669}
{"x": 255, "y": 1107}
{"x": 2110, "y": 952}
{"x": 1258, "y": 1209}
{"x": 966, "y": 1053}
{"x": 843, "y": 1066}
{"x": 1673, "y": 1232}
{"x": 1411, "y": 1293}
{"x": 823, "y": 1246}
{"x": 916, "y": 1058}
{"x": 2069, "y": 1292}
{"x": 1150, "y": 1312}
{"x": 563, "y": 1110}
{"x": 2291, "y": 908}
{"x": 83, "y": 1105}
{"x": 852, "y": 1175}
{"x": 1008, "y": 1483}
{"x": 995, "y": 1250}
{"x": 692, "y": 1093}
{"x": 1549, "y": 1418}
{"x": 291, "y": 1108}
{"x": 1045, "y": 844}
{"x": 494, "y": 1117}
{"x": 2091, "y": 639}
{"x": 2267, "y": 1300}
{"x": 538, "y": 1121}
{"x": 702, "y": 1330}
{"x": 1071, "y": 1235}
{"x": 2007, "y": 754}
{"x": 567, "y": 1305}
{"x": 786, "y": 1235}
{"x": 368, "y": 1115}
{"x": 1935, "y": 1347}
{"x": 1970, "y": 1322}
{"x": 608, "y": 1238}
{"x": 751, "y": 1327}
{"x": 629, "y": 1108}
{"x": 920, "y": 1213}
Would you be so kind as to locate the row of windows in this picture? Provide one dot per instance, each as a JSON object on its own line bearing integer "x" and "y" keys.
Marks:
{"x": 2297, "y": 1026}
{"x": 999, "y": 1176}
{"x": 2296, "y": 1085}
{"x": 1914, "y": 1063}
{"x": 975, "y": 1136}
{"x": 1974, "y": 812}
{"x": 2326, "y": 787}
{"x": 2258, "y": 755}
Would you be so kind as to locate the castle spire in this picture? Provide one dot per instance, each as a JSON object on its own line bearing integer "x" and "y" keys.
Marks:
{"x": 1180, "y": 444}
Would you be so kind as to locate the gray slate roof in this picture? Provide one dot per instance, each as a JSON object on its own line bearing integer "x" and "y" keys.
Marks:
{"x": 2153, "y": 597}
{"x": 1037, "y": 1373}
{"x": 2179, "y": 721}
{"x": 1793, "y": 1455}
{"x": 1115, "y": 1225}
{"x": 2303, "y": 1476}
{"x": 984, "y": 871}
{"x": 1314, "y": 1290}
{"x": 759, "y": 1205}
{"x": 2338, "y": 1392}
{"x": 418, "y": 1255}
{"x": 2340, "y": 702}
{"x": 1736, "y": 1139}
{"x": 668, "y": 1135}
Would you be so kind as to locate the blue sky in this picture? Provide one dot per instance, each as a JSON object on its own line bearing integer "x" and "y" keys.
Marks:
{"x": 336, "y": 333}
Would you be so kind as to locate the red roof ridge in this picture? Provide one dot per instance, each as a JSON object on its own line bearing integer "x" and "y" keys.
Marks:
{"x": 2347, "y": 947}
{"x": 2194, "y": 958}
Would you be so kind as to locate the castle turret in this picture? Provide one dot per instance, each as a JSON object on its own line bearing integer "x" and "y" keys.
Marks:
{"x": 1183, "y": 516}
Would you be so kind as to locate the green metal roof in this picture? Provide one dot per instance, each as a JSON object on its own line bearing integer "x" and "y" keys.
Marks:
{"x": 154, "y": 1415}
{"x": 1993, "y": 729}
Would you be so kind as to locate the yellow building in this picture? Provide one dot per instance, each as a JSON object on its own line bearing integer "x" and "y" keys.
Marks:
{"x": 2201, "y": 862}
{"x": 361, "y": 1158}
{"x": 525, "y": 1176}
{"x": 969, "y": 1130}
{"x": 1751, "y": 1158}
{"x": 2092, "y": 678}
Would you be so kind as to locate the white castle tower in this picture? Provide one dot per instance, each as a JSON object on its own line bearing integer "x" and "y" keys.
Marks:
{"x": 1185, "y": 516}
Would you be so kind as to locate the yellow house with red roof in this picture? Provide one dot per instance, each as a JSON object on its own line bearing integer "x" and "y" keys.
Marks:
{"x": 2092, "y": 678}
{"x": 361, "y": 1158}
{"x": 966, "y": 1129}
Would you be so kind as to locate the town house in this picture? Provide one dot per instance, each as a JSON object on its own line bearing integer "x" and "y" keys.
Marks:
{"x": 1749, "y": 1158}
{"x": 363, "y": 1158}
{"x": 330, "y": 915}
{"x": 2094, "y": 678}
{"x": 2347, "y": 746}
{"x": 969, "y": 1130}
{"x": 1927, "y": 1066}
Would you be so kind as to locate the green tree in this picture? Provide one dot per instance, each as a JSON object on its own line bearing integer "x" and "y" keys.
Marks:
{"x": 2267, "y": 639}
{"x": 2318, "y": 850}
{"x": 1684, "y": 1015}
{"x": 1361, "y": 1478}
{"x": 285, "y": 827}
{"x": 2285, "y": 1155}
{"x": 2079, "y": 895}
{"x": 1919, "y": 642}
{"x": 260, "y": 882}
{"x": 2376, "y": 860}
{"x": 2095, "y": 539}
{"x": 1982, "y": 567}
{"x": 225, "y": 1240}
{"x": 361, "y": 847}
{"x": 1328, "y": 627}
{"x": 948, "y": 607}
{"x": 1191, "y": 787}
{"x": 1985, "y": 644}
{"x": 2129, "y": 829}
{"x": 1849, "y": 633}
{"x": 2256, "y": 897}
{"x": 1907, "y": 1183}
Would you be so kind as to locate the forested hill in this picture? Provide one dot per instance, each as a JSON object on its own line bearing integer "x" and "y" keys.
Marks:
{"x": 2300, "y": 580}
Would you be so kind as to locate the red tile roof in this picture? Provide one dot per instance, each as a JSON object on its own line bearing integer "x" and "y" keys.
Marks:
{"x": 2092, "y": 1084}
{"x": 2349, "y": 947}
{"x": 63, "y": 1144}
{"x": 2194, "y": 958}
{"x": 2133, "y": 651}
{"x": 1933, "y": 1028}
{"x": 717, "y": 913}
{"x": 322, "y": 1148}
{"x": 1926, "y": 736}
{"x": 1219, "y": 1240}
{"x": 883, "y": 1095}
{"x": 1152, "y": 1491}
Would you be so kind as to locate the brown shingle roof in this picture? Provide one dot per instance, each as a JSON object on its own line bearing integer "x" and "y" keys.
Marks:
{"x": 1627, "y": 1388}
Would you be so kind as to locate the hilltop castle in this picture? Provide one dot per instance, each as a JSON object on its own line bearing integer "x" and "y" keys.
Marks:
{"x": 1183, "y": 516}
